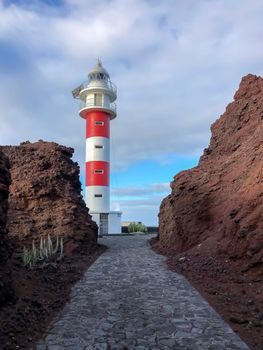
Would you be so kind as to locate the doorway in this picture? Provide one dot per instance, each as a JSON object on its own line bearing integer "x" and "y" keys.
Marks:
{"x": 104, "y": 226}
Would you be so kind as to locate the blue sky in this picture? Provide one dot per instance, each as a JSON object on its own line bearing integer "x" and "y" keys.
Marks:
{"x": 176, "y": 63}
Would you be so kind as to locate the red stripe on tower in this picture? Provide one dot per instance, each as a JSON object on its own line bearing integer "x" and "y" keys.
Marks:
{"x": 97, "y": 124}
{"x": 97, "y": 173}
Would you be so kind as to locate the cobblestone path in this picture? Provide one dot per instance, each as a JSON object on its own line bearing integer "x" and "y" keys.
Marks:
{"x": 129, "y": 300}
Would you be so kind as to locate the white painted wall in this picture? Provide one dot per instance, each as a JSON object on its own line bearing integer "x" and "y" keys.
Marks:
{"x": 115, "y": 222}
{"x": 96, "y": 154}
{"x": 99, "y": 204}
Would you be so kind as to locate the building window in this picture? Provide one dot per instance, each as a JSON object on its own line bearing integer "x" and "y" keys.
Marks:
{"x": 98, "y": 146}
{"x": 98, "y": 99}
{"x": 97, "y": 122}
{"x": 100, "y": 76}
{"x": 98, "y": 195}
{"x": 98, "y": 171}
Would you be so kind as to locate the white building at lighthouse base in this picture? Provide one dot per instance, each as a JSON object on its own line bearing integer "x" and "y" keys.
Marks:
{"x": 113, "y": 222}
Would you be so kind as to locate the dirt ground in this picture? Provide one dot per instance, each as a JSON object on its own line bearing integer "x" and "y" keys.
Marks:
{"x": 40, "y": 295}
{"x": 237, "y": 295}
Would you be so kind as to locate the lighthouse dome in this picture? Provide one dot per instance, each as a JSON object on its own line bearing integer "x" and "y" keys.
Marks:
{"x": 98, "y": 72}
{"x": 98, "y": 93}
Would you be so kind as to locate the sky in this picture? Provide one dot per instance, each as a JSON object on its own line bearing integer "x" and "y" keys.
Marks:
{"x": 177, "y": 64}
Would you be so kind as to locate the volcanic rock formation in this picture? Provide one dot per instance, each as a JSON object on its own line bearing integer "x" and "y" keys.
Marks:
{"x": 45, "y": 194}
{"x": 5, "y": 180}
{"x": 219, "y": 203}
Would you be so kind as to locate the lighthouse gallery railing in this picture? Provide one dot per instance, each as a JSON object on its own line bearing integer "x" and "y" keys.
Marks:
{"x": 91, "y": 102}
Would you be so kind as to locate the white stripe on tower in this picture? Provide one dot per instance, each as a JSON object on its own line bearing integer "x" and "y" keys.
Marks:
{"x": 97, "y": 148}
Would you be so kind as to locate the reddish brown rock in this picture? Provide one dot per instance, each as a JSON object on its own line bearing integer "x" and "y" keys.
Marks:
{"x": 45, "y": 195}
{"x": 219, "y": 203}
{"x": 5, "y": 181}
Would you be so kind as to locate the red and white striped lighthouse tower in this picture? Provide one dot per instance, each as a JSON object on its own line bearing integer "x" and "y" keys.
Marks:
{"x": 98, "y": 108}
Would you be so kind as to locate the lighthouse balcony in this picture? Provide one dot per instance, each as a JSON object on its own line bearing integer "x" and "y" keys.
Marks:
{"x": 105, "y": 83}
{"x": 103, "y": 86}
{"x": 98, "y": 105}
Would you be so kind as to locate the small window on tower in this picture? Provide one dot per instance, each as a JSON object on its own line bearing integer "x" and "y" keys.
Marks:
{"x": 98, "y": 171}
{"x": 97, "y": 122}
{"x": 98, "y": 146}
{"x": 98, "y": 195}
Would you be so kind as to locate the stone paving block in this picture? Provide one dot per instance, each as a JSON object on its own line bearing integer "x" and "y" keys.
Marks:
{"x": 55, "y": 347}
{"x": 40, "y": 347}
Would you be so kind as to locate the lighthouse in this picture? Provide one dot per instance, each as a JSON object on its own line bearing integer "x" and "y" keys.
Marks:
{"x": 98, "y": 108}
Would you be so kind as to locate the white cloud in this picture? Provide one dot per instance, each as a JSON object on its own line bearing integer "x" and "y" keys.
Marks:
{"x": 140, "y": 203}
{"x": 144, "y": 209}
{"x": 141, "y": 191}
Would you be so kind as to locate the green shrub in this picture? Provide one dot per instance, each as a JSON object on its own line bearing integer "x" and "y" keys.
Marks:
{"x": 141, "y": 228}
{"x": 137, "y": 227}
{"x": 46, "y": 250}
{"x": 132, "y": 227}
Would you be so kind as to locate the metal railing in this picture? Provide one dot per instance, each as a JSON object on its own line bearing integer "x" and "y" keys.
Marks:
{"x": 110, "y": 85}
{"x": 91, "y": 102}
